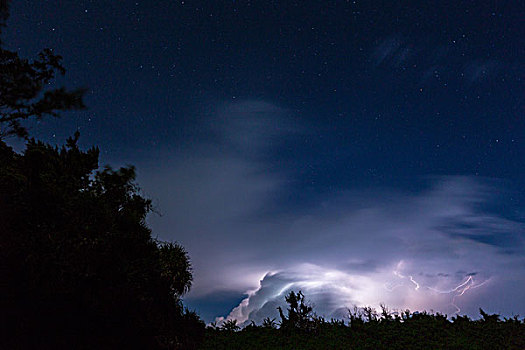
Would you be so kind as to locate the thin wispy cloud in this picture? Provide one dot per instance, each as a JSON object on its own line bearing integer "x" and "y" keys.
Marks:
{"x": 442, "y": 62}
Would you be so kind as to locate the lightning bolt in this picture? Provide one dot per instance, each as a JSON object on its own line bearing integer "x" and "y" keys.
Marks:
{"x": 458, "y": 291}
{"x": 462, "y": 288}
{"x": 413, "y": 281}
{"x": 397, "y": 273}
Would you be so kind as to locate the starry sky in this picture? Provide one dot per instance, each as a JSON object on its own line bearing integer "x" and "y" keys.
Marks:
{"x": 361, "y": 151}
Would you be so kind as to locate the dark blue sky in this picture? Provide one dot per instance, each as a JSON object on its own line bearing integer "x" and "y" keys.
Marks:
{"x": 300, "y": 111}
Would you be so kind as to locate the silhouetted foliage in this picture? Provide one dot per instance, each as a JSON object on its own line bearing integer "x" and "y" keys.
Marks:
{"x": 79, "y": 266}
{"x": 299, "y": 313}
{"x": 80, "y": 260}
{"x": 175, "y": 267}
{"x": 230, "y": 326}
{"x": 80, "y": 269}
{"x": 24, "y": 87}
{"x": 494, "y": 318}
{"x": 23, "y": 92}
{"x": 368, "y": 329}
{"x": 269, "y": 323}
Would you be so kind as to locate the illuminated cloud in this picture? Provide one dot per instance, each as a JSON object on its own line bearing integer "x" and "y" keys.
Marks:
{"x": 223, "y": 200}
{"x": 399, "y": 250}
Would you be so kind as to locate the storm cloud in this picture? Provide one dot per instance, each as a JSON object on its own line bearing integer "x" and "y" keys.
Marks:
{"x": 438, "y": 247}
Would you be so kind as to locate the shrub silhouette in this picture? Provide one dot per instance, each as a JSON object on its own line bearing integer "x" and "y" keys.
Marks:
{"x": 369, "y": 329}
{"x": 230, "y": 326}
{"x": 269, "y": 323}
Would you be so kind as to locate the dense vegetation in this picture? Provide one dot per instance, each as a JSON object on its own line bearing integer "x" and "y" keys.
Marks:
{"x": 81, "y": 265}
{"x": 80, "y": 268}
{"x": 366, "y": 329}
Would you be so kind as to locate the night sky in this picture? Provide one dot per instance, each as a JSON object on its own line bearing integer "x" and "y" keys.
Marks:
{"x": 361, "y": 151}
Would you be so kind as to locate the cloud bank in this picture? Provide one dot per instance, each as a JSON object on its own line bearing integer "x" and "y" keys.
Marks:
{"x": 432, "y": 251}
{"x": 232, "y": 201}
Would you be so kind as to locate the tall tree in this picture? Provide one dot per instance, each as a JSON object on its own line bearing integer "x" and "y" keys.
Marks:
{"x": 80, "y": 268}
{"x": 80, "y": 261}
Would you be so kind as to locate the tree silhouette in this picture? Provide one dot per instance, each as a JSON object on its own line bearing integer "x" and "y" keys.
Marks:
{"x": 78, "y": 254}
{"x": 269, "y": 323}
{"x": 230, "y": 326}
{"x": 80, "y": 268}
{"x": 494, "y": 318}
{"x": 299, "y": 313}
{"x": 175, "y": 267}
{"x": 24, "y": 87}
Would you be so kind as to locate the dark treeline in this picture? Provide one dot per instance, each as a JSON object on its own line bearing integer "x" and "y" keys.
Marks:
{"x": 366, "y": 328}
{"x": 80, "y": 268}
